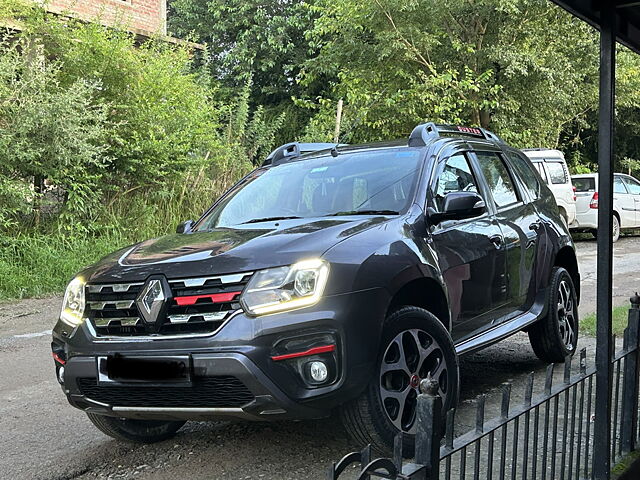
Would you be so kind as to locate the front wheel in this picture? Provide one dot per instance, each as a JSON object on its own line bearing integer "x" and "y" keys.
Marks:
{"x": 133, "y": 430}
{"x": 555, "y": 336}
{"x": 415, "y": 345}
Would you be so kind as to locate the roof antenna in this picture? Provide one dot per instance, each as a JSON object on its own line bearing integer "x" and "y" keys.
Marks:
{"x": 334, "y": 151}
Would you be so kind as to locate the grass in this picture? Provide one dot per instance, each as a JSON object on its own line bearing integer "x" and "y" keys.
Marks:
{"x": 620, "y": 317}
{"x": 41, "y": 263}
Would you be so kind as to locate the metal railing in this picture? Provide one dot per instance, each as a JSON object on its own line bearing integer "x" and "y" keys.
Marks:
{"x": 545, "y": 436}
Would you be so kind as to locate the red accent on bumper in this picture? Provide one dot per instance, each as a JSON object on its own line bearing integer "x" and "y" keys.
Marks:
{"x": 311, "y": 351}
{"x": 215, "y": 298}
{"x": 57, "y": 358}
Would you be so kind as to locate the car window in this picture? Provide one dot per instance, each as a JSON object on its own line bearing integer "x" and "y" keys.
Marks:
{"x": 527, "y": 173}
{"x": 456, "y": 176}
{"x": 498, "y": 179}
{"x": 557, "y": 173}
{"x": 584, "y": 184}
{"x": 618, "y": 185}
{"x": 540, "y": 167}
{"x": 633, "y": 185}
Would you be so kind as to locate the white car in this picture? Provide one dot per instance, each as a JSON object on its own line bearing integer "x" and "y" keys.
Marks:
{"x": 553, "y": 170}
{"x": 626, "y": 203}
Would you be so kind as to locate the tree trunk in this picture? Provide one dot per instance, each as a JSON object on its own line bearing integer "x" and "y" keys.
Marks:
{"x": 485, "y": 118}
{"x": 38, "y": 188}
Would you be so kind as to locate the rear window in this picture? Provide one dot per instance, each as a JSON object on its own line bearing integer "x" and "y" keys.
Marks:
{"x": 586, "y": 184}
{"x": 557, "y": 173}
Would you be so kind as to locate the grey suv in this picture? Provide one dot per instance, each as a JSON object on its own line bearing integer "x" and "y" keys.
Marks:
{"x": 337, "y": 279}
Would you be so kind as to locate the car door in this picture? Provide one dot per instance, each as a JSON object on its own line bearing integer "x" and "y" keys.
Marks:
{"x": 634, "y": 189}
{"x": 520, "y": 226}
{"x": 624, "y": 203}
{"x": 470, "y": 251}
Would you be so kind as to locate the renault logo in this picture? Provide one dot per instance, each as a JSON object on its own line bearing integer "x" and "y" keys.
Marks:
{"x": 151, "y": 300}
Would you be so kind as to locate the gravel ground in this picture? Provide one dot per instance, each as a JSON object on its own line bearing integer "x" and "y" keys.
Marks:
{"x": 42, "y": 437}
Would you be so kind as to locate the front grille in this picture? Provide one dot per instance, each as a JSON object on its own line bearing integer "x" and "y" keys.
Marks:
{"x": 207, "y": 392}
{"x": 207, "y": 302}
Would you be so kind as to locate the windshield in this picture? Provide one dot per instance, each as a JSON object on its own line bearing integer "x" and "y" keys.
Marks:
{"x": 360, "y": 183}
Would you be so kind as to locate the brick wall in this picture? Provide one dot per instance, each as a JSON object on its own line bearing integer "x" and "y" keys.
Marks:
{"x": 141, "y": 16}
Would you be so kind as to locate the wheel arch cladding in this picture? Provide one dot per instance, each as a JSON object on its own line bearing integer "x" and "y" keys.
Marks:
{"x": 425, "y": 293}
{"x": 566, "y": 258}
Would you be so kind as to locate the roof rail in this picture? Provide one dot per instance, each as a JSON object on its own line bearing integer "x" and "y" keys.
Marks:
{"x": 424, "y": 132}
{"x": 292, "y": 150}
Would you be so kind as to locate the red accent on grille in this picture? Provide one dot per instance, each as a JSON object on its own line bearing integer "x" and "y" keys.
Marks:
{"x": 215, "y": 298}
{"x": 311, "y": 351}
{"x": 57, "y": 358}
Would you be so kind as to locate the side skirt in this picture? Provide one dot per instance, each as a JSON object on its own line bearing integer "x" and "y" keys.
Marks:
{"x": 505, "y": 329}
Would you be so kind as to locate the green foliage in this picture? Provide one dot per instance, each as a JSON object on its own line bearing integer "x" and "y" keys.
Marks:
{"x": 250, "y": 134}
{"x": 620, "y": 321}
{"x": 164, "y": 120}
{"x": 520, "y": 67}
{"x": 48, "y": 130}
{"x": 254, "y": 39}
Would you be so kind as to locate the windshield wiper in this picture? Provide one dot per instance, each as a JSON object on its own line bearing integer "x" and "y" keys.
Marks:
{"x": 365, "y": 212}
{"x": 268, "y": 219}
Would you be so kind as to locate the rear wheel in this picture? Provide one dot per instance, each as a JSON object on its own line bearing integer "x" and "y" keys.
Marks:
{"x": 615, "y": 232}
{"x": 415, "y": 345}
{"x": 556, "y": 335}
{"x": 133, "y": 430}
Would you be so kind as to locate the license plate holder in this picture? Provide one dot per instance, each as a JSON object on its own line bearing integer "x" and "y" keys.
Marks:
{"x": 145, "y": 370}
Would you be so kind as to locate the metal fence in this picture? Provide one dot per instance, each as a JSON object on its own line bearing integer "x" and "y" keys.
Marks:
{"x": 548, "y": 435}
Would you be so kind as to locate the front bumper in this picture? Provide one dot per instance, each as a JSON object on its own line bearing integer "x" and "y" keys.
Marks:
{"x": 268, "y": 400}
{"x": 243, "y": 350}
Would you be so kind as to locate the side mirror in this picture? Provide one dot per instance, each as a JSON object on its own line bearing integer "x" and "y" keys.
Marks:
{"x": 460, "y": 205}
{"x": 185, "y": 227}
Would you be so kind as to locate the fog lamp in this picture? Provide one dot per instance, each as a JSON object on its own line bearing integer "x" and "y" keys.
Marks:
{"x": 61, "y": 375}
{"x": 318, "y": 371}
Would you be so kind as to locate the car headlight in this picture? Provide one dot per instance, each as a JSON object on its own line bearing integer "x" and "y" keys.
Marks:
{"x": 73, "y": 303}
{"x": 285, "y": 288}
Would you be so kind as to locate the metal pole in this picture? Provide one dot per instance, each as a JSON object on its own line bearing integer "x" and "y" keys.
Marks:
{"x": 604, "y": 349}
{"x": 429, "y": 427}
{"x": 629, "y": 414}
{"x": 336, "y": 135}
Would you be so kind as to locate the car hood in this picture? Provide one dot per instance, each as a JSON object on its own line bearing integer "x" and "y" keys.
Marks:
{"x": 228, "y": 250}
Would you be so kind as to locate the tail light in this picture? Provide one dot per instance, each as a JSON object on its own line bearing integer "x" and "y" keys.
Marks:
{"x": 594, "y": 201}
{"x": 574, "y": 194}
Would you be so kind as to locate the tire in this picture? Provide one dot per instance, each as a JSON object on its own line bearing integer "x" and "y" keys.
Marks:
{"x": 615, "y": 233}
{"x": 555, "y": 336}
{"x": 616, "y": 229}
{"x": 133, "y": 430}
{"x": 368, "y": 418}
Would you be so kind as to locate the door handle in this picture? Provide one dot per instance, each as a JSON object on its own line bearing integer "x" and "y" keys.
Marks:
{"x": 497, "y": 240}
{"x": 535, "y": 226}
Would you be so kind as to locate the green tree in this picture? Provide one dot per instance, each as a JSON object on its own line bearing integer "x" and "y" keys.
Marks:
{"x": 521, "y": 67}
{"x": 262, "y": 41}
{"x": 47, "y": 131}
